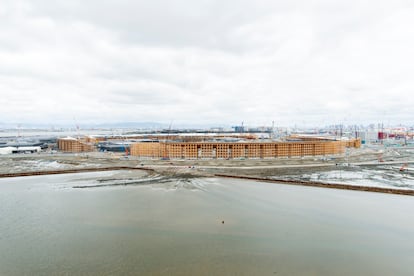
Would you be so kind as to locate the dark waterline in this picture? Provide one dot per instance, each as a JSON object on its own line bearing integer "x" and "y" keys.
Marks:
{"x": 175, "y": 228}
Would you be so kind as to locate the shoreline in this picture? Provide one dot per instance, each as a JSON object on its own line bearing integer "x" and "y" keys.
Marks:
{"x": 196, "y": 173}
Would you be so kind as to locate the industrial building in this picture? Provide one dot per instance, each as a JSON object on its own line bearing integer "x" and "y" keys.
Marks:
{"x": 15, "y": 150}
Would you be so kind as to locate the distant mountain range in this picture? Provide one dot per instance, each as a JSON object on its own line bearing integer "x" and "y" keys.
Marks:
{"x": 150, "y": 125}
{"x": 146, "y": 125}
{"x": 109, "y": 125}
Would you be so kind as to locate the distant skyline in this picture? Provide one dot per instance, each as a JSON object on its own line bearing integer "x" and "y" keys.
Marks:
{"x": 179, "y": 126}
{"x": 307, "y": 63}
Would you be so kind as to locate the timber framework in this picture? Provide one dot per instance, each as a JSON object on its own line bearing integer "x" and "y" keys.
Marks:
{"x": 239, "y": 150}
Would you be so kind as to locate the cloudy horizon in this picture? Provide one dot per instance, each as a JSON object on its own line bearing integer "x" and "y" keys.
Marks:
{"x": 206, "y": 62}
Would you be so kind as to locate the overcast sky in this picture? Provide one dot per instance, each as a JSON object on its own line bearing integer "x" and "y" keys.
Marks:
{"x": 210, "y": 62}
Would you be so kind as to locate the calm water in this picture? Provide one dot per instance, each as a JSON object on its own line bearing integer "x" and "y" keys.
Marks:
{"x": 174, "y": 227}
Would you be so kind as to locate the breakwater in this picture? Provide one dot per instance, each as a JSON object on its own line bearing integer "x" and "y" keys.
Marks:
{"x": 49, "y": 172}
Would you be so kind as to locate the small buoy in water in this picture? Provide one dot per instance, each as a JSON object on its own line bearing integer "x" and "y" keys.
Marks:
{"x": 222, "y": 222}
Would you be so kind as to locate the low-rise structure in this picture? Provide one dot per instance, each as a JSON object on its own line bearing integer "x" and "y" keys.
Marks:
{"x": 70, "y": 144}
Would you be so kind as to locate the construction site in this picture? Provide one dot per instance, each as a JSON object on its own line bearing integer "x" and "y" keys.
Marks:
{"x": 208, "y": 147}
{"x": 239, "y": 150}
{"x": 70, "y": 144}
{"x": 296, "y": 157}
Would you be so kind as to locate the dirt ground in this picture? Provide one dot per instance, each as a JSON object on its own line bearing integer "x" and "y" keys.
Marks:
{"x": 366, "y": 156}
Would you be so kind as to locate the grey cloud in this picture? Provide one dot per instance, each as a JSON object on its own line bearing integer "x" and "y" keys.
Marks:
{"x": 209, "y": 61}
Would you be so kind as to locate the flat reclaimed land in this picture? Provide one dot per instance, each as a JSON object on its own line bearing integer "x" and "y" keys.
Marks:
{"x": 359, "y": 169}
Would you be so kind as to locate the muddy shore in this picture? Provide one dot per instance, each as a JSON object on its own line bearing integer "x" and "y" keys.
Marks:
{"x": 253, "y": 167}
{"x": 368, "y": 164}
